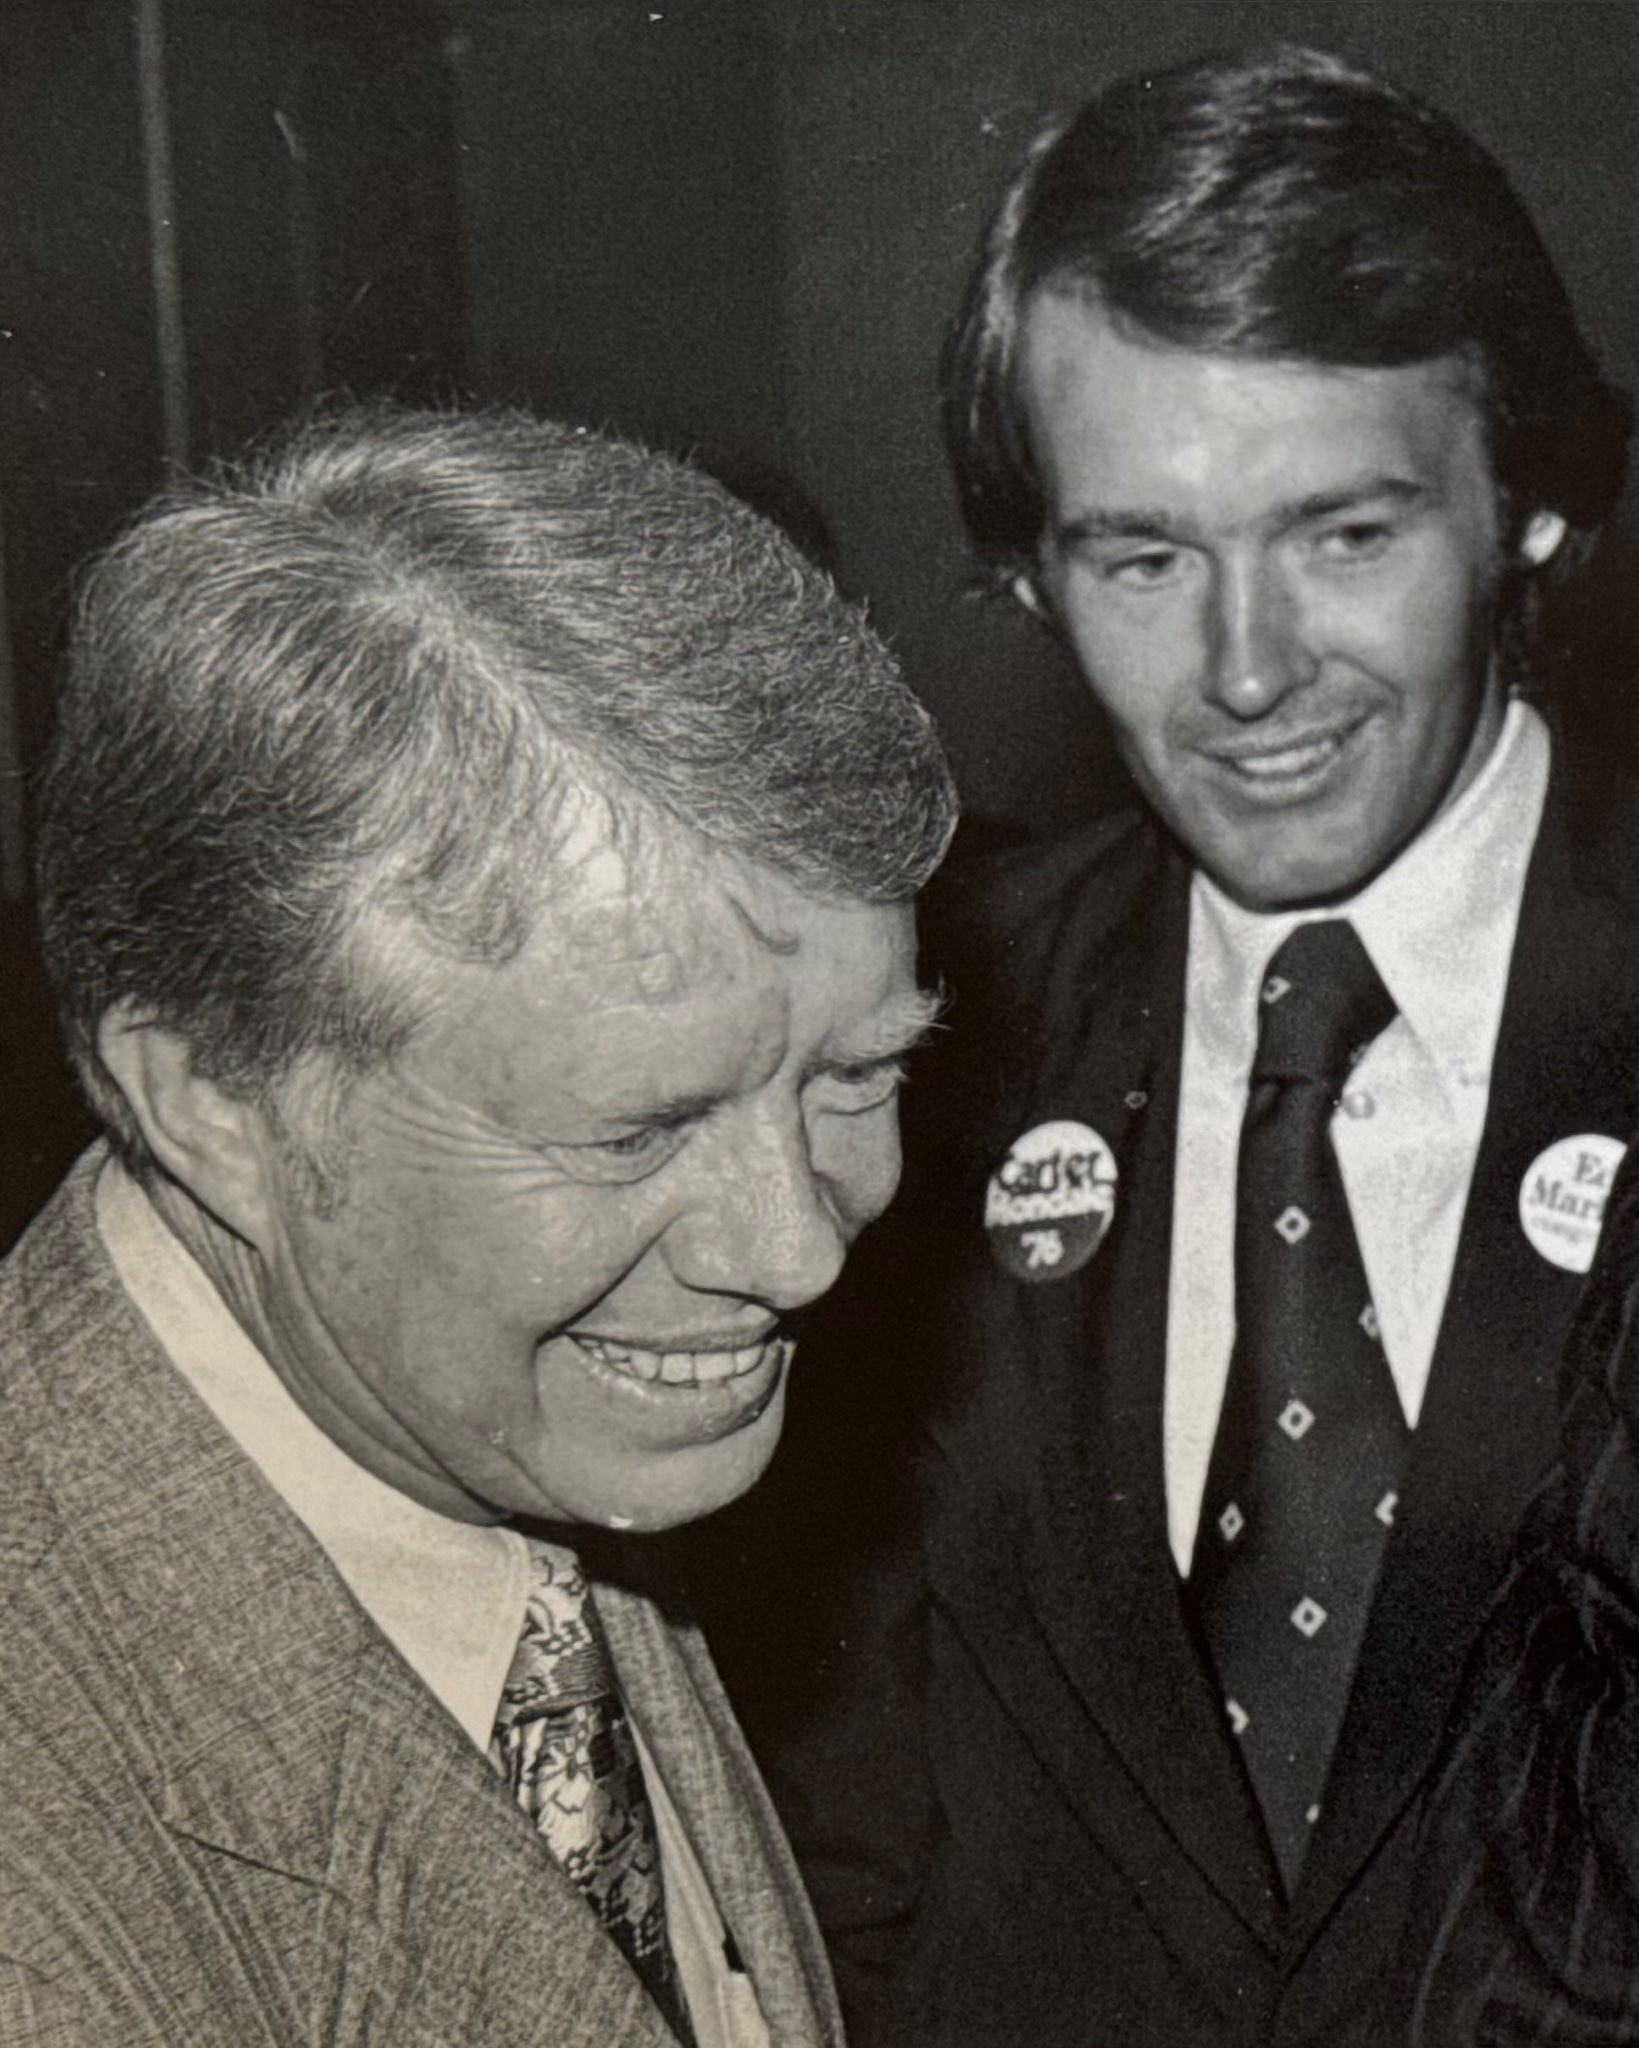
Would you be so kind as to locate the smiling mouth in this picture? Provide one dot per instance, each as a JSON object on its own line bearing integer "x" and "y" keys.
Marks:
{"x": 686, "y": 1369}
{"x": 1297, "y": 760}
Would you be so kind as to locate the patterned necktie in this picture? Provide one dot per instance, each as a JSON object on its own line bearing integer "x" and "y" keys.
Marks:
{"x": 564, "y": 1745}
{"x": 1305, "y": 1468}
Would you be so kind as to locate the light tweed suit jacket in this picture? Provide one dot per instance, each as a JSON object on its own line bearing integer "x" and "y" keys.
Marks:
{"x": 229, "y": 1813}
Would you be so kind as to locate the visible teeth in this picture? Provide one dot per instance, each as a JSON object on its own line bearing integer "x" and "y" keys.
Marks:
{"x": 680, "y": 1368}
{"x": 1289, "y": 760}
{"x": 712, "y": 1366}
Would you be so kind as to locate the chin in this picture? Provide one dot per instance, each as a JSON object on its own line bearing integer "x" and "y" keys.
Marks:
{"x": 702, "y": 1493}
{"x": 1295, "y": 884}
{"x": 667, "y": 1491}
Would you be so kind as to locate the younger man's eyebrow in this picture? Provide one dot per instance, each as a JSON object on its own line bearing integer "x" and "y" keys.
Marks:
{"x": 1144, "y": 523}
{"x": 1369, "y": 490}
{"x": 1097, "y": 524}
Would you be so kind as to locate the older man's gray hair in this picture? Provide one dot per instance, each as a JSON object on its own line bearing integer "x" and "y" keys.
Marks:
{"x": 363, "y": 673}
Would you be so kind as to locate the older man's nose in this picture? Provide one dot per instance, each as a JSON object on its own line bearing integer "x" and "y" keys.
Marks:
{"x": 766, "y": 1228}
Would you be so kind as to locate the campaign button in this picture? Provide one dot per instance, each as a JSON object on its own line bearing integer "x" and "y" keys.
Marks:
{"x": 1050, "y": 1202}
{"x": 1562, "y": 1197}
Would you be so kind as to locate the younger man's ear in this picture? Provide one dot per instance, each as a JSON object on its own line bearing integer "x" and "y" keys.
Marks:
{"x": 213, "y": 1143}
{"x": 1026, "y": 591}
{"x": 1544, "y": 531}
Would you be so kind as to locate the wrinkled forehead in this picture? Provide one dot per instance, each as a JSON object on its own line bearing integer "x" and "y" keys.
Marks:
{"x": 641, "y": 901}
{"x": 623, "y": 907}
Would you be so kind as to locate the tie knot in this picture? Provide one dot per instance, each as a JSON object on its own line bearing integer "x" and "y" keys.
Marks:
{"x": 560, "y": 1662}
{"x": 1322, "y": 1003}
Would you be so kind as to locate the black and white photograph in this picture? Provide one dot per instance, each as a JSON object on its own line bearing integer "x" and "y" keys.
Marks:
{"x": 819, "y": 1024}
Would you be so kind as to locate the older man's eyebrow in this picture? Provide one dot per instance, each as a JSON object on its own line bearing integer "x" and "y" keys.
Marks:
{"x": 888, "y": 1034}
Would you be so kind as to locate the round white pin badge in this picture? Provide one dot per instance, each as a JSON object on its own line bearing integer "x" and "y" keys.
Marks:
{"x": 1050, "y": 1202}
{"x": 1562, "y": 1197}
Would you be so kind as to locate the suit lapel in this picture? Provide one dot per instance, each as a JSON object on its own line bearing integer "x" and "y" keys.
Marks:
{"x": 453, "y": 1920}
{"x": 667, "y": 1677}
{"x": 1077, "y": 1421}
{"x": 1564, "y": 1067}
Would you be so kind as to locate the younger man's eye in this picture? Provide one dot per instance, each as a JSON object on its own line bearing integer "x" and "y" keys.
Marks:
{"x": 1141, "y": 571}
{"x": 1355, "y": 540}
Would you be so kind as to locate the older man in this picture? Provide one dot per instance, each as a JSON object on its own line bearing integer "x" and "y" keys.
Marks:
{"x": 1285, "y": 1102}
{"x": 476, "y": 871}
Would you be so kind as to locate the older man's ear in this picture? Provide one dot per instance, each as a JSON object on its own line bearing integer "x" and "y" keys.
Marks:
{"x": 213, "y": 1143}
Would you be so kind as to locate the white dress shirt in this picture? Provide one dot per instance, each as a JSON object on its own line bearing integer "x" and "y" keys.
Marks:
{"x": 448, "y": 1595}
{"x": 1439, "y": 926}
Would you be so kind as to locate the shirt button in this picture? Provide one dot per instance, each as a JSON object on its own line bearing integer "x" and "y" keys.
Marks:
{"x": 1358, "y": 1103}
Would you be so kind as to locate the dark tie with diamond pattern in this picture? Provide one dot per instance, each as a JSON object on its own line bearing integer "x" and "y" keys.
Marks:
{"x": 564, "y": 1745}
{"x": 1305, "y": 1468}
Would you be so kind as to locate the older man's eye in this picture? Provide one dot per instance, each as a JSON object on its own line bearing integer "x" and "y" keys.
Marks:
{"x": 634, "y": 1144}
{"x": 629, "y": 1155}
{"x": 648, "y": 1141}
{"x": 852, "y": 1090}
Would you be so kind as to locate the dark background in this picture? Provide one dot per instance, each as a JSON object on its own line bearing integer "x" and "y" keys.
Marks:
{"x": 732, "y": 226}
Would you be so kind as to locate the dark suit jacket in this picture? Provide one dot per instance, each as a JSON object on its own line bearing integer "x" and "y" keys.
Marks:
{"x": 1021, "y": 1809}
{"x": 1524, "y": 1927}
{"x": 232, "y": 1814}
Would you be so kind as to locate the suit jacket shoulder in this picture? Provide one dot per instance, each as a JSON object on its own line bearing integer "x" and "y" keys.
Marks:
{"x": 999, "y": 909}
{"x": 1030, "y": 941}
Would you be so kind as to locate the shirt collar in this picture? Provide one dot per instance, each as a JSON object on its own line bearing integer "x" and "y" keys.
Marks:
{"x": 1438, "y": 922}
{"x": 448, "y": 1595}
